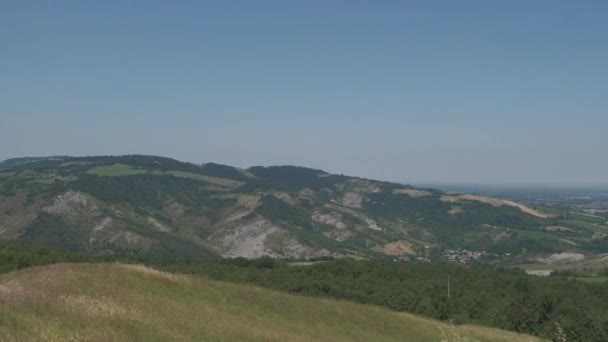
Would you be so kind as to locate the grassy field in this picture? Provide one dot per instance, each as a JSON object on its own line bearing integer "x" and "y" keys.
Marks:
{"x": 592, "y": 279}
{"x": 584, "y": 224}
{"x": 223, "y": 182}
{"x": 113, "y": 302}
{"x": 127, "y": 170}
{"x": 116, "y": 170}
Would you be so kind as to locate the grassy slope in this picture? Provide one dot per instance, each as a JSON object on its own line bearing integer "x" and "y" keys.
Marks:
{"x": 116, "y": 170}
{"x": 104, "y": 302}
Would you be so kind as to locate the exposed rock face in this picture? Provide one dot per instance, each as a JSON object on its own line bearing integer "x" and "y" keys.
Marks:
{"x": 352, "y": 200}
{"x": 331, "y": 219}
{"x": 364, "y": 186}
{"x": 562, "y": 258}
{"x": 307, "y": 192}
{"x": 286, "y": 198}
{"x": 397, "y": 248}
{"x": 258, "y": 237}
{"x": 106, "y": 221}
{"x": 292, "y": 248}
{"x": 174, "y": 208}
{"x": 371, "y": 224}
{"x": 127, "y": 238}
{"x": 455, "y": 211}
{"x": 247, "y": 240}
{"x": 159, "y": 226}
{"x": 413, "y": 192}
{"x": 70, "y": 201}
{"x": 339, "y": 235}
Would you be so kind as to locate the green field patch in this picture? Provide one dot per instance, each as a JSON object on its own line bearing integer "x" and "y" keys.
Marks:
{"x": 551, "y": 211}
{"x": 224, "y": 182}
{"x": 586, "y": 217}
{"x": 537, "y": 235}
{"x": 116, "y": 170}
{"x": 573, "y": 216}
{"x": 591, "y": 279}
{"x": 583, "y": 225}
{"x": 75, "y": 163}
{"x": 50, "y": 179}
{"x": 304, "y": 263}
{"x": 214, "y": 188}
{"x": 27, "y": 174}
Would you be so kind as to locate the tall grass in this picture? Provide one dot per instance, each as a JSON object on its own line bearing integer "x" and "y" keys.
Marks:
{"x": 116, "y": 302}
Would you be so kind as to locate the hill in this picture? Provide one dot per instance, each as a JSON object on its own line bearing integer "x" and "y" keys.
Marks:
{"x": 160, "y": 207}
{"x": 103, "y": 302}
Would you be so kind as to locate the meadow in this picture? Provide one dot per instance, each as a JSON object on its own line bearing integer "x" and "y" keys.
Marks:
{"x": 120, "y": 302}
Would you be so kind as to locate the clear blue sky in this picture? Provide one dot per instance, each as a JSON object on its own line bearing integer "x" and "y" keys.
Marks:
{"x": 420, "y": 91}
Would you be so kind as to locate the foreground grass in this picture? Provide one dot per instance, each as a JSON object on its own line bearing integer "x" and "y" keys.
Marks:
{"x": 115, "y": 302}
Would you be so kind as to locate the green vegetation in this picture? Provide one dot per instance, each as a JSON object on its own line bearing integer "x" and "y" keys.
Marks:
{"x": 585, "y": 224}
{"x": 506, "y": 299}
{"x": 591, "y": 279}
{"x": 101, "y": 302}
{"x": 15, "y": 255}
{"x": 177, "y": 216}
{"x": 194, "y": 202}
{"x": 223, "y": 182}
{"x": 116, "y": 170}
{"x": 293, "y": 178}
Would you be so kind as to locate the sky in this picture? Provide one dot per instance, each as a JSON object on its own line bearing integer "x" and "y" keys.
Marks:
{"x": 410, "y": 91}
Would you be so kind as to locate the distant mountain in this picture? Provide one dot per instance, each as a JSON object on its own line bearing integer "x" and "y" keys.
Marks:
{"x": 155, "y": 206}
{"x": 8, "y": 163}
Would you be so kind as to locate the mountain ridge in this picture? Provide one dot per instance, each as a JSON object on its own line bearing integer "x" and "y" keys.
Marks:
{"x": 136, "y": 204}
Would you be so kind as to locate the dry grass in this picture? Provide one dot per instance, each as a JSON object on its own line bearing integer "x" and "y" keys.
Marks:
{"x": 456, "y": 211}
{"x": 413, "y": 192}
{"x": 497, "y": 202}
{"x": 248, "y": 201}
{"x": 114, "y": 302}
{"x": 401, "y": 247}
{"x": 128, "y": 170}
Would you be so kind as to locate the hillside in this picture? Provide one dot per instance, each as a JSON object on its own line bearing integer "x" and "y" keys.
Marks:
{"x": 160, "y": 207}
{"x": 116, "y": 302}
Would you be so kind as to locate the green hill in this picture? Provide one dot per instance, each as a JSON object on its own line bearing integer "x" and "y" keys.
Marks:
{"x": 160, "y": 207}
{"x": 117, "y": 302}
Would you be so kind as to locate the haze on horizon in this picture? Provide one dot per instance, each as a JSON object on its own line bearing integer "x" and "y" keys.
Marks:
{"x": 467, "y": 92}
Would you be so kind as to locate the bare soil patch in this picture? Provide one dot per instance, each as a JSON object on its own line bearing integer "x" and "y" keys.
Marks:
{"x": 412, "y": 192}
{"x": 497, "y": 202}
{"x": 401, "y": 247}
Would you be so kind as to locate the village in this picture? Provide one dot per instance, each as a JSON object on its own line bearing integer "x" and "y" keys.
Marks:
{"x": 465, "y": 256}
